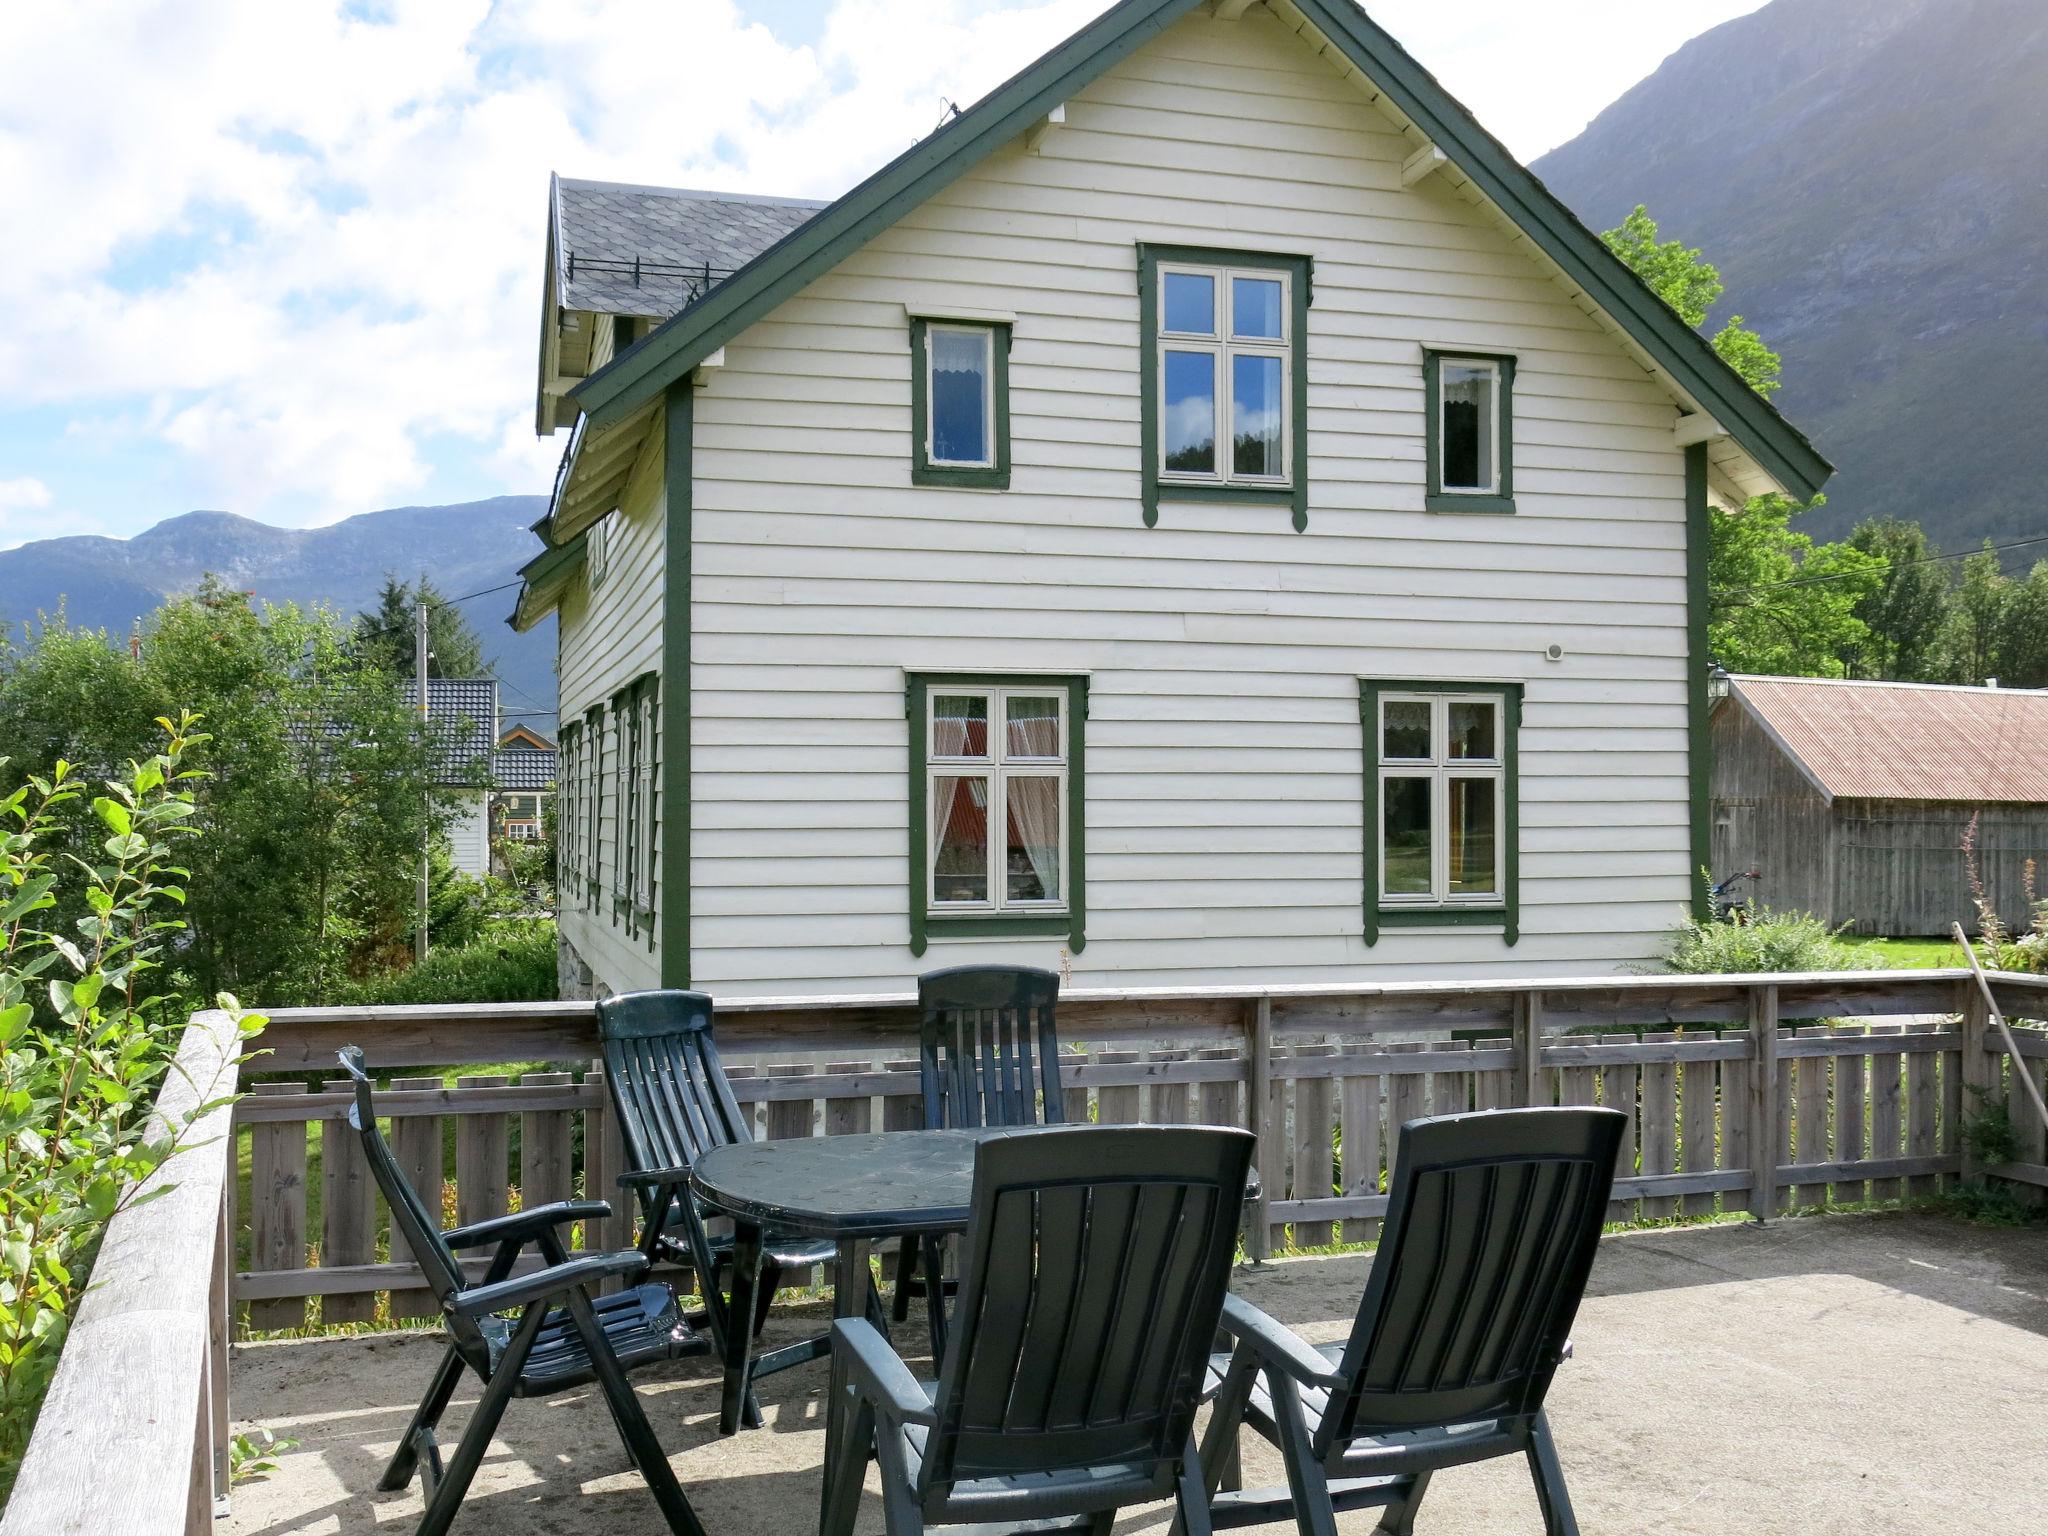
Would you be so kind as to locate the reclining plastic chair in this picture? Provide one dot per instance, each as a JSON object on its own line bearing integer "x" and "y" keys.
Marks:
{"x": 674, "y": 1103}
{"x": 1093, "y": 1274}
{"x": 563, "y": 1336}
{"x": 1491, "y": 1227}
{"x": 977, "y": 1027}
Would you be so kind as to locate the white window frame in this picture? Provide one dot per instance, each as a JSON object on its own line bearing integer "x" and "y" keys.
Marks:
{"x": 998, "y": 768}
{"x": 1443, "y": 443}
{"x": 1439, "y": 768}
{"x": 1225, "y": 346}
{"x": 987, "y": 334}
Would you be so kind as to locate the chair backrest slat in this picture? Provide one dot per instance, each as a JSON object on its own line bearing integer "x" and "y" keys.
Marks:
{"x": 980, "y": 1027}
{"x": 665, "y": 1079}
{"x": 1492, "y": 1223}
{"x": 1092, "y": 1279}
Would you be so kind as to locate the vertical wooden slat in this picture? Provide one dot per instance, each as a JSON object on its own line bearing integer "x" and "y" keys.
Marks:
{"x": 1952, "y": 1112}
{"x": 1765, "y": 1135}
{"x": 1886, "y": 1112}
{"x": 790, "y": 1119}
{"x": 848, "y": 1115}
{"x": 1851, "y": 1108}
{"x": 277, "y": 1206}
{"x": 1660, "y": 1126}
{"x": 1259, "y": 1111}
{"x": 1117, "y": 1104}
{"x": 1923, "y": 1072}
{"x": 1314, "y": 1170}
{"x": 1360, "y": 1108}
{"x": 1979, "y": 1076}
{"x": 1495, "y": 1087}
{"x": 905, "y": 1111}
{"x": 1219, "y": 1101}
{"x": 1816, "y": 1140}
{"x": 348, "y": 1213}
{"x": 1406, "y": 1100}
{"x": 1169, "y": 1101}
{"x": 1617, "y": 1092}
{"x": 482, "y": 1159}
{"x": 1530, "y": 1084}
{"x": 743, "y": 1081}
{"x": 1786, "y": 1066}
{"x": 418, "y": 1145}
{"x": 604, "y": 1159}
{"x": 1697, "y": 1087}
{"x": 544, "y": 1172}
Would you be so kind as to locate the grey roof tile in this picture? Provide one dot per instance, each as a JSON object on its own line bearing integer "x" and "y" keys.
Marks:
{"x": 524, "y": 769}
{"x": 462, "y": 713}
{"x": 631, "y": 250}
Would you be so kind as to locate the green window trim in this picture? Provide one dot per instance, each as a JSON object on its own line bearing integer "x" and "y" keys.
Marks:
{"x": 993, "y": 477}
{"x": 924, "y": 925}
{"x": 593, "y": 783}
{"x": 672, "y": 860}
{"x": 1301, "y": 291}
{"x": 1507, "y": 914}
{"x": 1435, "y": 498}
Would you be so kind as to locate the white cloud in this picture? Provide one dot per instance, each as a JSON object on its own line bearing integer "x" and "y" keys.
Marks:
{"x": 25, "y": 491}
{"x": 301, "y": 245}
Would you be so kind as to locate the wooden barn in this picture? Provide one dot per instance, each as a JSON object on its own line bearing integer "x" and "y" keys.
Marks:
{"x": 1853, "y": 798}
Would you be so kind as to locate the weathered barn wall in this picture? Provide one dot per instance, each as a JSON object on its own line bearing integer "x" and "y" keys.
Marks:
{"x": 1899, "y": 866}
{"x": 1768, "y": 815}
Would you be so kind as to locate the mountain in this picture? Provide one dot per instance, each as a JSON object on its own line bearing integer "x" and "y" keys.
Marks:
{"x": 474, "y": 545}
{"x": 1869, "y": 177}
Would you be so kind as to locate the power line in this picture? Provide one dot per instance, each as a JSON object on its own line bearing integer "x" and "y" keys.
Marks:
{"x": 1900, "y": 565}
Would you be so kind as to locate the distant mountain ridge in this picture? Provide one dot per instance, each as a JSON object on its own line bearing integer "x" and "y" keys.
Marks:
{"x": 1869, "y": 177}
{"x": 107, "y": 583}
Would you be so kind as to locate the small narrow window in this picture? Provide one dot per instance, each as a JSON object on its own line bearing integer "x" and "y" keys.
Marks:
{"x": 960, "y": 403}
{"x": 1441, "y": 817}
{"x": 1470, "y": 427}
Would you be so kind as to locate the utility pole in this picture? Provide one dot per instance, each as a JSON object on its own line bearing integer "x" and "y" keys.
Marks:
{"x": 419, "y": 609}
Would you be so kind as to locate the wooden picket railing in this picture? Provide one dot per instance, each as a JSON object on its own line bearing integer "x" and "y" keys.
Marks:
{"x": 1730, "y": 1108}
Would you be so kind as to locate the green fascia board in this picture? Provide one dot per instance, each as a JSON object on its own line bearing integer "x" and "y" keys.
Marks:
{"x": 1781, "y": 448}
{"x": 934, "y": 163}
{"x": 1698, "y": 660}
{"x": 544, "y": 576}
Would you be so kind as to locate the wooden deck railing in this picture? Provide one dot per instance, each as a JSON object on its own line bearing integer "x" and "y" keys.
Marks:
{"x": 1731, "y": 1108}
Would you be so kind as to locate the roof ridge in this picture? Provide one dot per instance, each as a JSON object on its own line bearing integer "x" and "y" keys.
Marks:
{"x": 1887, "y": 682}
{"x": 694, "y": 194}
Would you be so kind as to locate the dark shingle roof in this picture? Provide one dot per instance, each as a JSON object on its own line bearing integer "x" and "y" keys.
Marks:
{"x": 524, "y": 769}
{"x": 607, "y": 232}
{"x": 462, "y": 713}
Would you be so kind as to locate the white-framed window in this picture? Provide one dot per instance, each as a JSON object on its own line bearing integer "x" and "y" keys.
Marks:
{"x": 1468, "y": 425}
{"x": 960, "y": 383}
{"x": 1443, "y": 786}
{"x": 996, "y": 787}
{"x": 1225, "y": 372}
{"x": 597, "y": 551}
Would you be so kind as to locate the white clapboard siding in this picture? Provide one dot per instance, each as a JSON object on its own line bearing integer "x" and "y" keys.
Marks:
{"x": 1225, "y": 755}
{"x": 610, "y": 635}
{"x": 469, "y": 833}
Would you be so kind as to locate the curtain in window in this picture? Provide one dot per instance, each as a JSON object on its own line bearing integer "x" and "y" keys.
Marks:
{"x": 1035, "y": 830}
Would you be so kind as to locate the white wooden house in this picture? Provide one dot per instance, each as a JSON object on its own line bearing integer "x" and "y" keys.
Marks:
{"x": 1214, "y": 451}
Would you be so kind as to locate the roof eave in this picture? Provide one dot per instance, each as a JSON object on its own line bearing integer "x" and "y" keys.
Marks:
{"x": 544, "y": 577}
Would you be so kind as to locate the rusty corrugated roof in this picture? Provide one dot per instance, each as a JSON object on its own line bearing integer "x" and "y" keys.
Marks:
{"x": 1907, "y": 741}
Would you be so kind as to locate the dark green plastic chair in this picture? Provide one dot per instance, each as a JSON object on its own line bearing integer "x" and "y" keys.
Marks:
{"x": 1491, "y": 1227}
{"x": 563, "y": 1336}
{"x": 978, "y": 1026}
{"x": 1092, "y": 1276}
{"x": 674, "y": 1102}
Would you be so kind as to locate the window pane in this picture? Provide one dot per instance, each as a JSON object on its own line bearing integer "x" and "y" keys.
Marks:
{"x": 1034, "y": 728}
{"x": 1255, "y": 307}
{"x": 1405, "y": 813}
{"x": 1032, "y": 856}
{"x": 1468, "y": 427}
{"x": 959, "y": 403}
{"x": 1190, "y": 424}
{"x": 959, "y": 838}
{"x": 1473, "y": 845}
{"x": 960, "y": 725}
{"x": 1255, "y": 416}
{"x": 1472, "y": 732}
{"x": 1191, "y": 303}
{"x": 1405, "y": 731}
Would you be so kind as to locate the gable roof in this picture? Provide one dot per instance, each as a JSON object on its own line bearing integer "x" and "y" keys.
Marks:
{"x": 462, "y": 717}
{"x": 1906, "y": 741}
{"x": 524, "y": 769}
{"x": 622, "y": 249}
{"x": 627, "y": 385}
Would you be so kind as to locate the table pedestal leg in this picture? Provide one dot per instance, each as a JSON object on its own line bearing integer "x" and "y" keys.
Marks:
{"x": 851, "y": 1290}
{"x": 739, "y": 1325}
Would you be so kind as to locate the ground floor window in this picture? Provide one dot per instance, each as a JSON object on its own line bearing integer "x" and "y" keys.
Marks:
{"x": 1441, "y": 815}
{"x": 997, "y": 830}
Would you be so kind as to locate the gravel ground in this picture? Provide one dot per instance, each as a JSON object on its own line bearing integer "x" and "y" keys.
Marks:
{"x": 1833, "y": 1374}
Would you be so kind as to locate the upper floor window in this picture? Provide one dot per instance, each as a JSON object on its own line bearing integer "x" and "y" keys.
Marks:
{"x": 1468, "y": 399}
{"x": 960, "y": 402}
{"x": 1225, "y": 382}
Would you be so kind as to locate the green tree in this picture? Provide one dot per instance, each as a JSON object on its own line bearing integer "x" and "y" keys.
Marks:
{"x": 1689, "y": 283}
{"x": 389, "y": 640}
{"x": 1977, "y": 619}
{"x": 2023, "y": 641}
{"x": 1908, "y": 614}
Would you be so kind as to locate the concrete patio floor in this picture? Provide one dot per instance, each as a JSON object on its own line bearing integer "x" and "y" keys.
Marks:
{"x": 1833, "y": 1374}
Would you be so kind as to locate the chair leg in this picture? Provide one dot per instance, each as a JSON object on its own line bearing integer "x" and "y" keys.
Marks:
{"x": 476, "y": 1437}
{"x": 900, "y": 1514}
{"x": 848, "y": 1471}
{"x": 1399, "y": 1517}
{"x": 627, "y": 1413}
{"x": 1548, "y": 1474}
{"x": 935, "y": 1296}
{"x": 1307, "y": 1483}
{"x": 1221, "y": 1463}
{"x": 1102, "y": 1522}
{"x": 764, "y": 1295}
{"x": 906, "y": 1277}
{"x": 1191, "y": 1515}
{"x": 420, "y": 1432}
{"x": 738, "y": 1402}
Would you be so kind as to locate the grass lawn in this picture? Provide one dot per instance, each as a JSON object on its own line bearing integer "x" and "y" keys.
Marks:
{"x": 1918, "y": 954}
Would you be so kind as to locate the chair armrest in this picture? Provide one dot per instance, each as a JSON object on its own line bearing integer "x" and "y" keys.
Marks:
{"x": 879, "y": 1374}
{"x": 652, "y": 1178}
{"x": 1275, "y": 1345}
{"x": 521, "y": 1225}
{"x": 542, "y": 1283}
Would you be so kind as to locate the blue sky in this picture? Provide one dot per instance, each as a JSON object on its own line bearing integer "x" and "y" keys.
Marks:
{"x": 286, "y": 256}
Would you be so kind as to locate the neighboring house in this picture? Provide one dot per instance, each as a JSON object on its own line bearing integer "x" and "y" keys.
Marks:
{"x": 462, "y": 713}
{"x": 1205, "y": 516}
{"x": 1852, "y": 798}
{"x": 524, "y": 777}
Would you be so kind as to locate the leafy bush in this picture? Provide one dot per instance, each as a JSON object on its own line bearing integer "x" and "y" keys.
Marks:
{"x": 1769, "y": 942}
{"x": 86, "y": 1030}
{"x": 506, "y": 963}
{"x": 1998, "y": 947}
